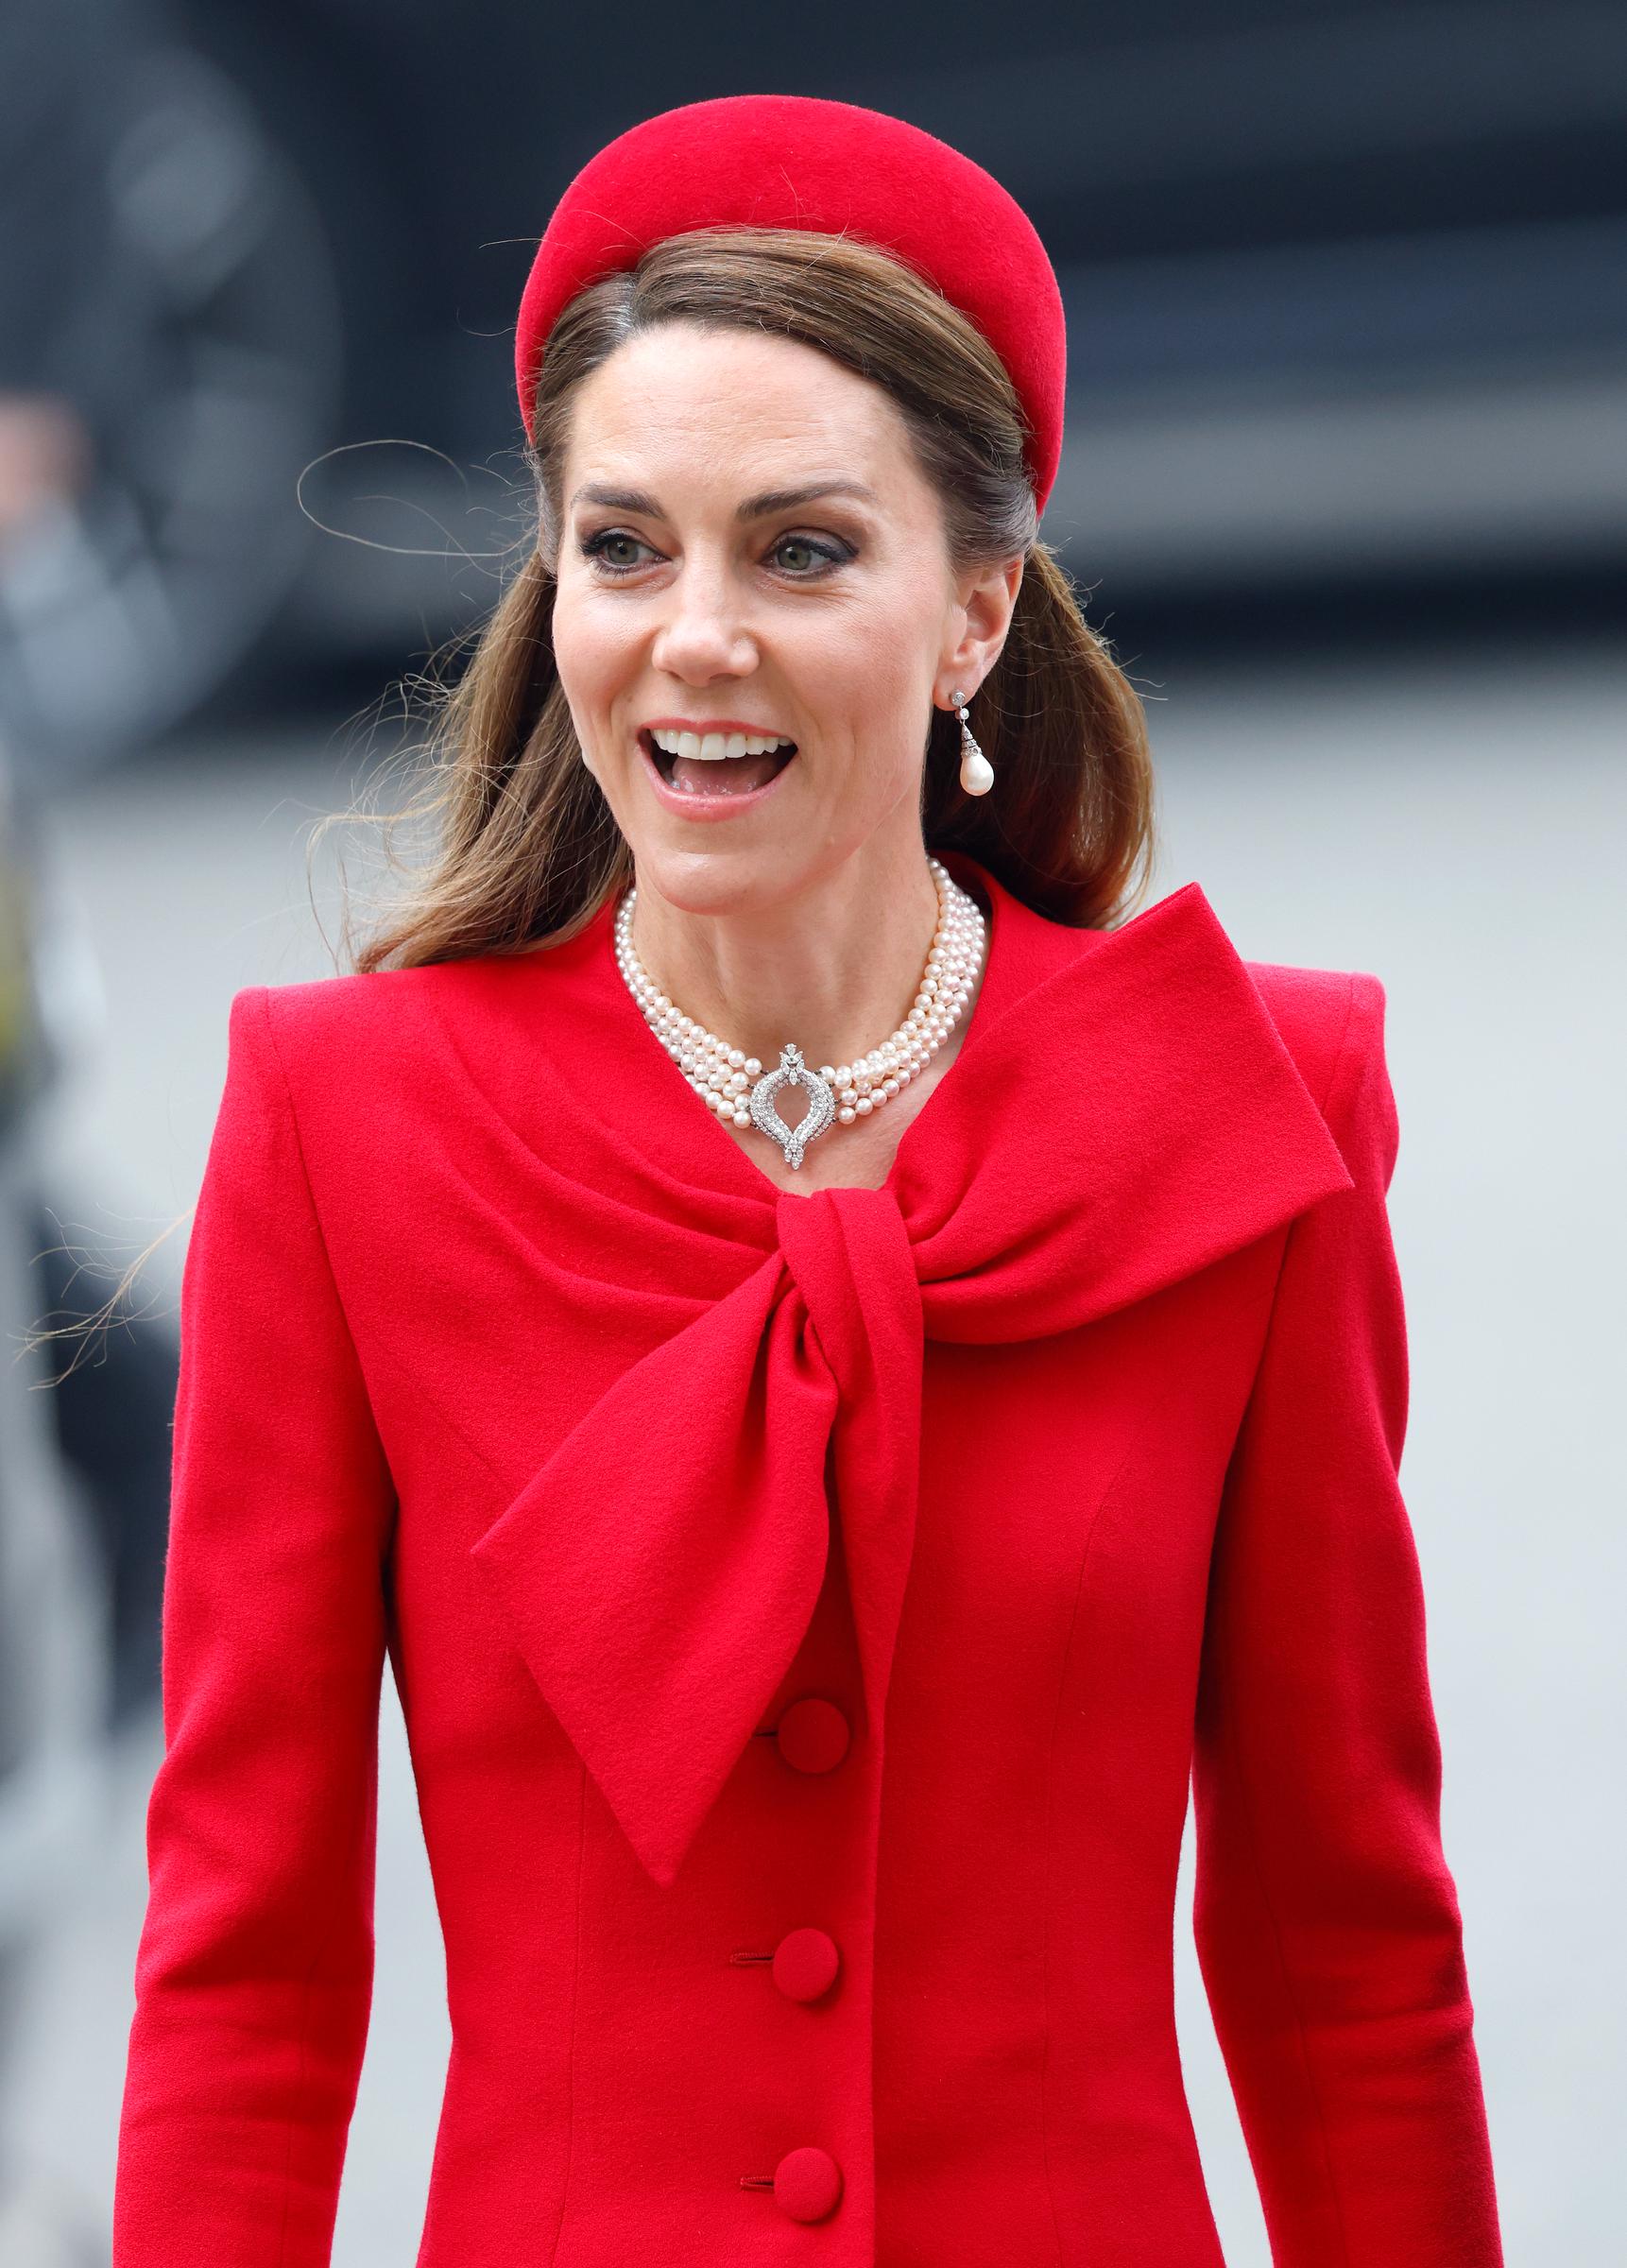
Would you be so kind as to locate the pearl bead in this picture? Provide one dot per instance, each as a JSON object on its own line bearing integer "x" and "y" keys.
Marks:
{"x": 720, "y": 1075}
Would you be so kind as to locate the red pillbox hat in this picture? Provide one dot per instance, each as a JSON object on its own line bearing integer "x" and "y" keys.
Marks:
{"x": 804, "y": 161}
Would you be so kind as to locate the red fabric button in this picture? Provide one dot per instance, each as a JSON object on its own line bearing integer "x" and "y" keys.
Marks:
{"x": 813, "y": 1735}
{"x": 807, "y": 2184}
{"x": 805, "y": 1964}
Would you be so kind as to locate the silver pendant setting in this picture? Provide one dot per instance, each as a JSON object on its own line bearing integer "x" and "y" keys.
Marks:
{"x": 791, "y": 1070}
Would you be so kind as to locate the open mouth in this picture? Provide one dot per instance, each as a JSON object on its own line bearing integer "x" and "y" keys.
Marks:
{"x": 719, "y": 775}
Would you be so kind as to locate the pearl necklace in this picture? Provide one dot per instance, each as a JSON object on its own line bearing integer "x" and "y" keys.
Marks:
{"x": 721, "y": 1074}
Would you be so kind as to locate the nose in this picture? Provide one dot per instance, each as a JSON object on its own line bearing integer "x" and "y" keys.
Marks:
{"x": 703, "y": 632}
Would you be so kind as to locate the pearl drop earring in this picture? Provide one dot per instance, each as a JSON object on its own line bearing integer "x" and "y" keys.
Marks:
{"x": 976, "y": 772}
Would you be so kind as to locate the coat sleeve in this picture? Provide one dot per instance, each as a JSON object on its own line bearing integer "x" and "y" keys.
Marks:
{"x": 253, "y": 1974}
{"x": 1326, "y": 1919}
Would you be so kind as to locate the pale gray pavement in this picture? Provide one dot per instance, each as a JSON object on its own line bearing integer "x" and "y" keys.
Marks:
{"x": 1457, "y": 828}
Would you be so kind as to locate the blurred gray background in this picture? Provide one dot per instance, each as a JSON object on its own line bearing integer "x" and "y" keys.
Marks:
{"x": 1346, "y": 485}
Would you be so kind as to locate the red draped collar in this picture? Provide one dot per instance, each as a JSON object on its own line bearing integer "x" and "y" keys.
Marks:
{"x": 1122, "y": 1112}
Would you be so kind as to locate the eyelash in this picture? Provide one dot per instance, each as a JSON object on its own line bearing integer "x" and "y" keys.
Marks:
{"x": 592, "y": 548}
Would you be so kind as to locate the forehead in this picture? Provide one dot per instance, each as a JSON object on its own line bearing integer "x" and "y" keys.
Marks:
{"x": 731, "y": 404}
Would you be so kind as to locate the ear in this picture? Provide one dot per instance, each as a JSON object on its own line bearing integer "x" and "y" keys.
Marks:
{"x": 984, "y": 597}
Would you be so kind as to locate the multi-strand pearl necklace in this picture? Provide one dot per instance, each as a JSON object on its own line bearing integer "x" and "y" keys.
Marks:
{"x": 737, "y": 1088}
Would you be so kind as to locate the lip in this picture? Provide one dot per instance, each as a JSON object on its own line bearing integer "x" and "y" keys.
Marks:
{"x": 689, "y": 804}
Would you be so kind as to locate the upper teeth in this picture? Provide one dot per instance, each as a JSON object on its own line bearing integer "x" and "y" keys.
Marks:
{"x": 712, "y": 748}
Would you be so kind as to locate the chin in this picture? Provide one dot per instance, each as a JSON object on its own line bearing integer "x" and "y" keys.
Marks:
{"x": 716, "y": 879}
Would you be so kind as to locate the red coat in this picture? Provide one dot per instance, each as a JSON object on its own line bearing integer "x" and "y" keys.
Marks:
{"x": 807, "y": 1613}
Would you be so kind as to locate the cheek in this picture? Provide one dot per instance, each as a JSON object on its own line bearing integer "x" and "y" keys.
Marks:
{"x": 590, "y": 654}
{"x": 588, "y": 659}
{"x": 874, "y": 670}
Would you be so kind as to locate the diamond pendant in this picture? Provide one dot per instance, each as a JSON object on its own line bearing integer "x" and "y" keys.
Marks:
{"x": 821, "y": 1104}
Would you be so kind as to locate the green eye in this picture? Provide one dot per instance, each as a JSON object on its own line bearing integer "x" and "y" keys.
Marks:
{"x": 824, "y": 556}
{"x": 597, "y": 548}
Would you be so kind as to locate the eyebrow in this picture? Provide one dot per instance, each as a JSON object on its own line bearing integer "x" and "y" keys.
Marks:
{"x": 754, "y": 507}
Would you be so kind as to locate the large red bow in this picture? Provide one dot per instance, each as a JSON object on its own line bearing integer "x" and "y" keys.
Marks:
{"x": 1127, "y": 1121}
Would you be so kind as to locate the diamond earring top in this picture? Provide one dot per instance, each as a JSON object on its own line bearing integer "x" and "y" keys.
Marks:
{"x": 976, "y": 772}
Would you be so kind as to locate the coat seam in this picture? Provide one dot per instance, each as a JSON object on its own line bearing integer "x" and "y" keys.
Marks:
{"x": 264, "y": 992}
{"x": 317, "y": 1950}
{"x": 1234, "y": 1750}
{"x": 1321, "y": 1102}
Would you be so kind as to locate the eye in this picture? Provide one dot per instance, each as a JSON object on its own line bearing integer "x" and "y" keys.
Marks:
{"x": 597, "y": 548}
{"x": 825, "y": 556}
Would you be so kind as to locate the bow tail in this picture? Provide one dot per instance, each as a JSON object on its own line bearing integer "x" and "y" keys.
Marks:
{"x": 850, "y": 1252}
{"x": 660, "y": 1571}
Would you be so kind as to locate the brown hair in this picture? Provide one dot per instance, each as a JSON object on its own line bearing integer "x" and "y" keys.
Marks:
{"x": 528, "y": 848}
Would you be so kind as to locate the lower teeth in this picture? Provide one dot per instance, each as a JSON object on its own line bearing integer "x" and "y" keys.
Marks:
{"x": 714, "y": 775}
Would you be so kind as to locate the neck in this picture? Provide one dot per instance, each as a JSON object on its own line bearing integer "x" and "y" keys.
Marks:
{"x": 834, "y": 967}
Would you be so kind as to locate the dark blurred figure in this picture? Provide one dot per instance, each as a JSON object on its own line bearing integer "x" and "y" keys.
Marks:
{"x": 85, "y": 1418}
{"x": 56, "y": 1674}
{"x": 123, "y": 168}
{"x": 107, "y": 1399}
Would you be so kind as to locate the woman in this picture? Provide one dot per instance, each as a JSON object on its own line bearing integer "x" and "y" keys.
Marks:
{"x": 838, "y": 1370}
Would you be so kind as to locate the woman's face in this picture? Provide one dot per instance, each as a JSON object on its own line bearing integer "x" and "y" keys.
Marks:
{"x": 747, "y": 545}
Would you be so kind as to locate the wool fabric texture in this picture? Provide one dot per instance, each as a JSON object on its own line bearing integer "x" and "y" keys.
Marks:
{"x": 804, "y": 161}
{"x": 808, "y": 1613}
